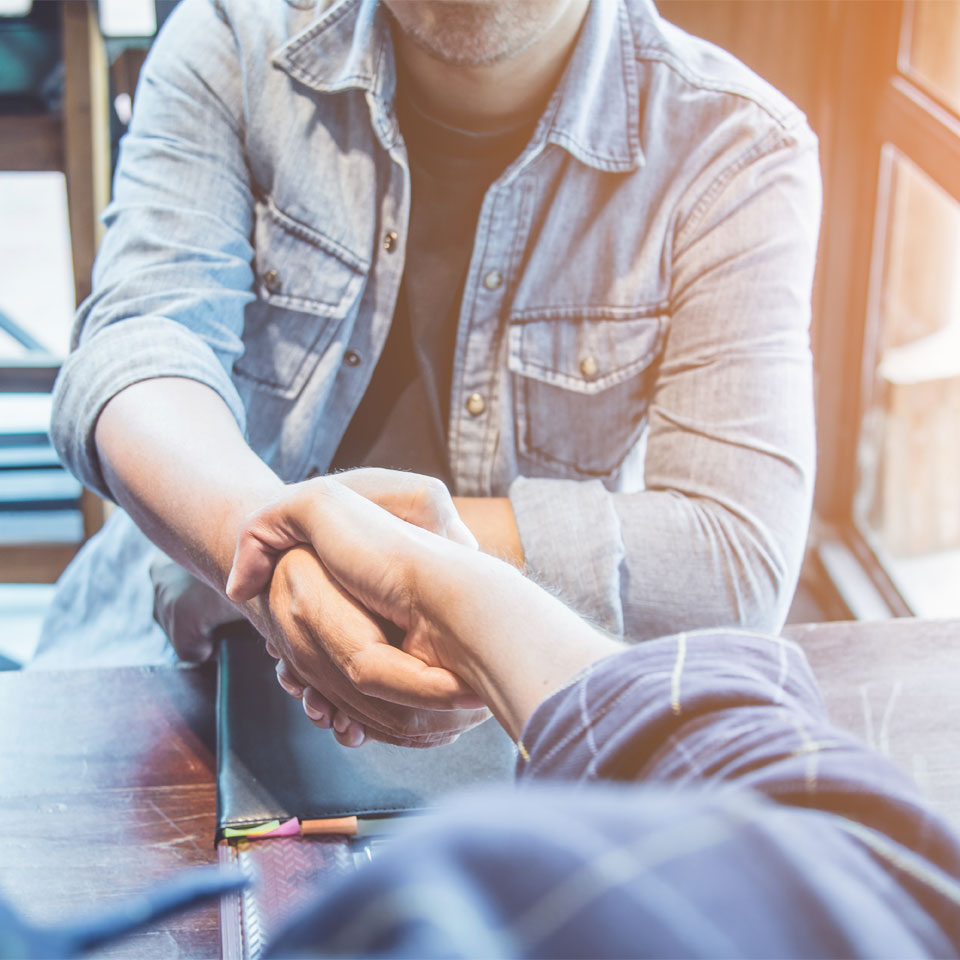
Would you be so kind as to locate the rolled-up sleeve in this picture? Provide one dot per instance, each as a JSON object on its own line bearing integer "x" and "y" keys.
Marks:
{"x": 173, "y": 274}
{"x": 716, "y": 537}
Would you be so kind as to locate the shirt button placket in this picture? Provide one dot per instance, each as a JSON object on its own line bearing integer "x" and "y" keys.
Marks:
{"x": 493, "y": 279}
{"x": 474, "y": 431}
{"x": 476, "y": 405}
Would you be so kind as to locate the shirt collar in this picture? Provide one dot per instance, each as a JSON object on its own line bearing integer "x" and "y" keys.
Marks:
{"x": 598, "y": 116}
{"x": 595, "y": 111}
{"x": 347, "y": 47}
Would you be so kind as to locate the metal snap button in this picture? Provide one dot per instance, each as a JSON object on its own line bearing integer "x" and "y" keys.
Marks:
{"x": 475, "y": 405}
{"x": 493, "y": 280}
{"x": 588, "y": 367}
{"x": 390, "y": 241}
{"x": 352, "y": 358}
{"x": 271, "y": 280}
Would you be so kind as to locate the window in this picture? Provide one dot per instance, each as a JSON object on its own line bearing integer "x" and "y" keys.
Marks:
{"x": 890, "y": 332}
{"x": 36, "y": 272}
{"x": 908, "y": 493}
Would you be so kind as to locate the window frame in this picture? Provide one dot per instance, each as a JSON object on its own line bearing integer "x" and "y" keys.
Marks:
{"x": 872, "y": 101}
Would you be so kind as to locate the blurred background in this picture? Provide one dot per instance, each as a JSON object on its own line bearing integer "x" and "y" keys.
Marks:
{"x": 880, "y": 83}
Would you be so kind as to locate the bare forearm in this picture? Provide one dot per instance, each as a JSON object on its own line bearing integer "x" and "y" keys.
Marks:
{"x": 175, "y": 459}
{"x": 514, "y": 643}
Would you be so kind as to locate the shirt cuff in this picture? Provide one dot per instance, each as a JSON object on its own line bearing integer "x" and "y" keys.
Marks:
{"x": 142, "y": 348}
{"x": 572, "y": 543}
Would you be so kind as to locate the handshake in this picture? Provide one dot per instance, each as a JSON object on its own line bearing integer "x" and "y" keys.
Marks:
{"x": 385, "y": 619}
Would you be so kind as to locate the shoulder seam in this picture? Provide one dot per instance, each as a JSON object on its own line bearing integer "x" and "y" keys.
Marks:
{"x": 659, "y": 54}
{"x": 771, "y": 141}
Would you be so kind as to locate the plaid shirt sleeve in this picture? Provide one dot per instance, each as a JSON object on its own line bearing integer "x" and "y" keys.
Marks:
{"x": 685, "y": 797}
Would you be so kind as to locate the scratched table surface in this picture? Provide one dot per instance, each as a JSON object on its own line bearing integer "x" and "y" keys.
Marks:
{"x": 107, "y": 777}
{"x": 896, "y": 684}
{"x": 107, "y": 784}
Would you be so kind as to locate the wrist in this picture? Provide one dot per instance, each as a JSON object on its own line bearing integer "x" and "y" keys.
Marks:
{"x": 511, "y": 641}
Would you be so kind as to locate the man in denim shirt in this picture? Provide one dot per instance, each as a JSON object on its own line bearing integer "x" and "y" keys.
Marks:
{"x": 627, "y": 403}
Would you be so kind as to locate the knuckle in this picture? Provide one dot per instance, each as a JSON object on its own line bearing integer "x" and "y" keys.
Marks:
{"x": 354, "y": 671}
{"x": 434, "y": 490}
{"x": 366, "y": 686}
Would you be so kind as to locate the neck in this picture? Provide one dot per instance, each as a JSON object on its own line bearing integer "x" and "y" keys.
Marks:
{"x": 491, "y": 96}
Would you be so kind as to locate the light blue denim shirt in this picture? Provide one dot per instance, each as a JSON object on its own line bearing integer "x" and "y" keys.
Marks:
{"x": 632, "y": 361}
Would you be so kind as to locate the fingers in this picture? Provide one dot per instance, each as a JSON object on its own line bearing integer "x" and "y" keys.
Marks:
{"x": 288, "y": 679}
{"x": 319, "y": 710}
{"x": 304, "y": 515}
{"x": 334, "y": 655}
{"x": 348, "y": 732}
{"x": 390, "y": 674}
{"x": 396, "y": 677}
{"x": 417, "y": 499}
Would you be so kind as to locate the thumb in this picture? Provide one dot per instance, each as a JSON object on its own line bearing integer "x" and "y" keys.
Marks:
{"x": 261, "y": 539}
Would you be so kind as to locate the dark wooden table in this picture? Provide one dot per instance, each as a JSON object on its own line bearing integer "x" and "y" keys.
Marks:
{"x": 107, "y": 784}
{"x": 107, "y": 776}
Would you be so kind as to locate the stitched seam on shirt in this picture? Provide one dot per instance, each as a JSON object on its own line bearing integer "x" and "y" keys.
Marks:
{"x": 501, "y": 331}
{"x": 732, "y": 88}
{"x": 589, "y": 388}
{"x": 538, "y": 455}
{"x": 643, "y": 311}
{"x": 316, "y": 238}
{"x": 321, "y": 26}
{"x": 631, "y": 82}
{"x": 485, "y": 222}
{"x": 768, "y": 144}
{"x": 363, "y": 80}
{"x": 561, "y": 138}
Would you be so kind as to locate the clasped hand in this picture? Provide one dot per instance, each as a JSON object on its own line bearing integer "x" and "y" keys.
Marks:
{"x": 351, "y": 660}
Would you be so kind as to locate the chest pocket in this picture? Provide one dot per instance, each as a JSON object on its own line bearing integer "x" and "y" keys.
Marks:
{"x": 582, "y": 389}
{"x": 306, "y": 285}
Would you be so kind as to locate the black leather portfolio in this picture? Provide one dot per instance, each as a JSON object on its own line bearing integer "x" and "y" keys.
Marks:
{"x": 272, "y": 763}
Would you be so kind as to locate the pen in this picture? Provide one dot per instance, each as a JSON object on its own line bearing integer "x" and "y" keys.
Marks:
{"x": 327, "y": 827}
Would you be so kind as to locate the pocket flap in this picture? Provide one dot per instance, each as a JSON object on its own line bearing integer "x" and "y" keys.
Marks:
{"x": 584, "y": 354}
{"x": 299, "y": 268}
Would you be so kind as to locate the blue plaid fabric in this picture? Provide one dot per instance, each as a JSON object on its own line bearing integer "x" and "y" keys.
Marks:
{"x": 687, "y": 797}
